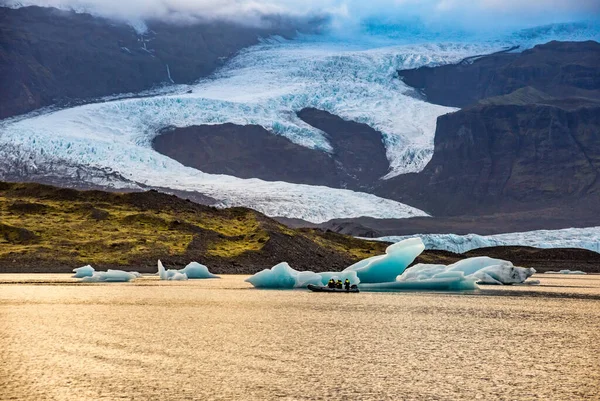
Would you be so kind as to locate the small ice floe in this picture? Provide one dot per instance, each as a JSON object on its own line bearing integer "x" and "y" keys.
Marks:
{"x": 566, "y": 271}
{"x": 84, "y": 271}
{"x": 195, "y": 270}
{"x": 109, "y": 276}
{"x": 170, "y": 274}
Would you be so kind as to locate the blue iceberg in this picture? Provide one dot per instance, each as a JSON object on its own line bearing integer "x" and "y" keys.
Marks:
{"x": 385, "y": 268}
{"x": 283, "y": 276}
{"x": 195, "y": 270}
{"x": 84, "y": 271}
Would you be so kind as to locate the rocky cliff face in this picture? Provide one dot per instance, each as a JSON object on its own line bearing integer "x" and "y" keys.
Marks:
{"x": 49, "y": 56}
{"x": 357, "y": 160}
{"x": 501, "y": 157}
{"x": 535, "y": 148}
{"x": 560, "y": 69}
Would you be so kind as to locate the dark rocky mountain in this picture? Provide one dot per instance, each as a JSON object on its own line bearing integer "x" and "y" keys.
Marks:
{"x": 560, "y": 69}
{"x": 357, "y": 161}
{"x": 50, "y": 56}
{"x": 536, "y": 148}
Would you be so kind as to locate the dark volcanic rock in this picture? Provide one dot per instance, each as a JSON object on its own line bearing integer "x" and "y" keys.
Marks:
{"x": 247, "y": 152}
{"x": 357, "y": 148}
{"x": 534, "y": 146}
{"x": 358, "y": 159}
{"x": 48, "y": 56}
{"x": 563, "y": 69}
{"x": 490, "y": 158}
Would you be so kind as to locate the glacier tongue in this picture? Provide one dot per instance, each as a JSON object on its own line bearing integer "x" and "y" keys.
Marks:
{"x": 264, "y": 85}
{"x": 583, "y": 238}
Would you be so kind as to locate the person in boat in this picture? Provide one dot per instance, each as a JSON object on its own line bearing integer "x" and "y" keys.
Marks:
{"x": 347, "y": 284}
{"x": 338, "y": 284}
{"x": 331, "y": 283}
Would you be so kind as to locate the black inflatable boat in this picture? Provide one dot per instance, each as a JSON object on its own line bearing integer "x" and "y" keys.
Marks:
{"x": 318, "y": 288}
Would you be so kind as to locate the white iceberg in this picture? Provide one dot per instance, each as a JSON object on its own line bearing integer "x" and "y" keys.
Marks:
{"x": 443, "y": 281}
{"x": 195, "y": 270}
{"x": 84, "y": 271}
{"x": 385, "y": 268}
{"x": 481, "y": 270}
{"x": 170, "y": 274}
{"x": 566, "y": 271}
{"x": 110, "y": 276}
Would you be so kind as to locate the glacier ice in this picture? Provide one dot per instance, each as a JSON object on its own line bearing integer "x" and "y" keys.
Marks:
{"x": 109, "y": 276}
{"x": 171, "y": 274}
{"x": 195, "y": 270}
{"x": 444, "y": 281}
{"x": 84, "y": 271}
{"x": 566, "y": 271}
{"x": 279, "y": 276}
{"x": 482, "y": 270}
{"x": 582, "y": 238}
{"x": 389, "y": 272}
{"x": 283, "y": 276}
{"x": 267, "y": 84}
{"x": 385, "y": 268}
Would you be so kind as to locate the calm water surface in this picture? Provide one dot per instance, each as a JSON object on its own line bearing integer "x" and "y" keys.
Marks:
{"x": 222, "y": 340}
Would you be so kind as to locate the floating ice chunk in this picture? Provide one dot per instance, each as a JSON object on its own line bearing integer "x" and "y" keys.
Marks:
{"x": 109, "y": 276}
{"x": 385, "y": 268}
{"x": 279, "y": 276}
{"x": 84, "y": 271}
{"x": 178, "y": 277}
{"x": 566, "y": 271}
{"x": 504, "y": 273}
{"x": 282, "y": 276}
{"x": 483, "y": 270}
{"x": 195, "y": 270}
{"x": 170, "y": 274}
{"x": 444, "y": 281}
{"x": 136, "y": 274}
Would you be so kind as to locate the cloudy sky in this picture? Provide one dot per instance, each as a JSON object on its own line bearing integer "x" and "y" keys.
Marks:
{"x": 467, "y": 14}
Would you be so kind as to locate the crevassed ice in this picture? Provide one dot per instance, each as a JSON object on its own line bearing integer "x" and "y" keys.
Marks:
{"x": 583, "y": 238}
{"x": 265, "y": 85}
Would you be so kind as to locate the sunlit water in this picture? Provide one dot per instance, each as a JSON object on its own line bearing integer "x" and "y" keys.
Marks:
{"x": 220, "y": 339}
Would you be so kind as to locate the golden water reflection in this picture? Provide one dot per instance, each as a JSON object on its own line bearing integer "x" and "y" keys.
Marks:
{"x": 222, "y": 340}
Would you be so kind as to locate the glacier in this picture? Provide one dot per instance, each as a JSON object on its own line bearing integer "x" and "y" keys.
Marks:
{"x": 582, "y": 238}
{"x": 389, "y": 272}
{"x": 355, "y": 78}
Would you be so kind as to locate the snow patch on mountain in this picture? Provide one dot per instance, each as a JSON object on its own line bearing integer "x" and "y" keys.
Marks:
{"x": 583, "y": 238}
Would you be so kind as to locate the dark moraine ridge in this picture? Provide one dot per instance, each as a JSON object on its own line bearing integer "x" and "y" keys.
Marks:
{"x": 50, "y": 56}
{"x": 357, "y": 161}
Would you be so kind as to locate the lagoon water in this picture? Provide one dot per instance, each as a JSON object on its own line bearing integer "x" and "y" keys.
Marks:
{"x": 223, "y": 340}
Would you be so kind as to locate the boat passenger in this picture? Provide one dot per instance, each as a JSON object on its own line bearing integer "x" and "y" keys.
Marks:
{"x": 347, "y": 284}
{"x": 338, "y": 284}
{"x": 331, "y": 283}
